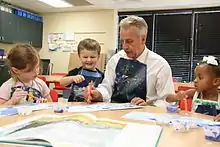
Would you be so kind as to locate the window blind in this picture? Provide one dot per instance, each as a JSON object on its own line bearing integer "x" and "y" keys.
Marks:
{"x": 207, "y": 36}
{"x": 172, "y": 41}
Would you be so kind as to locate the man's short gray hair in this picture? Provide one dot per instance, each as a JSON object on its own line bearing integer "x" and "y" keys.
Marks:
{"x": 135, "y": 21}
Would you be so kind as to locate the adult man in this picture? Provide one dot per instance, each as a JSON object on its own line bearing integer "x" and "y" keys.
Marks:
{"x": 135, "y": 74}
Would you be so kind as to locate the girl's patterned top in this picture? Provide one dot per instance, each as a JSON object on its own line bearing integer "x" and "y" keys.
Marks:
{"x": 198, "y": 101}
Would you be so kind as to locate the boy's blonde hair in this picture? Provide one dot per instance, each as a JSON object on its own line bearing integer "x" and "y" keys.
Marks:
{"x": 23, "y": 56}
{"x": 135, "y": 21}
{"x": 90, "y": 45}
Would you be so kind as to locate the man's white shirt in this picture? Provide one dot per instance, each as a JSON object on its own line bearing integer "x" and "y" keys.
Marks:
{"x": 159, "y": 76}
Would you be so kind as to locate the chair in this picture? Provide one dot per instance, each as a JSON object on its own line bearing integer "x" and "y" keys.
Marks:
{"x": 189, "y": 100}
{"x": 54, "y": 95}
{"x": 44, "y": 79}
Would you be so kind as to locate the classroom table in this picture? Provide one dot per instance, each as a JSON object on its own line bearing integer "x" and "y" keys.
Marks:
{"x": 169, "y": 138}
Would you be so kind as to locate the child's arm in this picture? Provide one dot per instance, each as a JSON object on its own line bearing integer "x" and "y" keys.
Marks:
{"x": 180, "y": 95}
{"x": 217, "y": 118}
{"x": 5, "y": 102}
{"x": 2, "y": 101}
{"x": 71, "y": 79}
{"x": 171, "y": 98}
{"x": 16, "y": 97}
{"x": 9, "y": 102}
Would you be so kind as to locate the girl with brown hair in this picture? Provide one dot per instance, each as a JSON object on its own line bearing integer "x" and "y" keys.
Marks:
{"x": 23, "y": 86}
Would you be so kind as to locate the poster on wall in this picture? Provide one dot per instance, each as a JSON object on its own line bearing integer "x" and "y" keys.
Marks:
{"x": 61, "y": 41}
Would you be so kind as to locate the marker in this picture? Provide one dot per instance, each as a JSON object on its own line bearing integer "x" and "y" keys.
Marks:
{"x": 185, "y": 103}
{"x": 89, "y": 89}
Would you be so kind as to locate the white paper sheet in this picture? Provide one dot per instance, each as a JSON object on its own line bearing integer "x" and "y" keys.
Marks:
{"x": 138, "y": 135}
{"x": 102, "y": 107}
{"x": 71, "y": 132}
{"x": 168, "y": 118}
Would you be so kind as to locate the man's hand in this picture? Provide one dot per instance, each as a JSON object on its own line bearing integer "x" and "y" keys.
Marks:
{"x": 138, "y": 101}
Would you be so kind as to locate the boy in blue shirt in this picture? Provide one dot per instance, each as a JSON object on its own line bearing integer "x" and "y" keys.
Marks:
{"x": 78, "y": 78}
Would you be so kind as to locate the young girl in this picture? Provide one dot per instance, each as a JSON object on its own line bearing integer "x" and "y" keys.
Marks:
{"x": 206, "y": 97}
{"x": 89, "y": 52}
{"x": 23, "y": 86}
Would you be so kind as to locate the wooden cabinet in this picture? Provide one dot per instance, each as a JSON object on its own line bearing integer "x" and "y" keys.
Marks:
{"x": 30, "y": 31}
{"x": 16, "y": 29}
{"x": 24, "y": 30}
{"x": 38, "y": 34}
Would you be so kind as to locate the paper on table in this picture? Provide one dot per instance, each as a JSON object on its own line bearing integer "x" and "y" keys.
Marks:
{"x": 140, "y": 116}
{"x": 168, "y": 118}
{"x": 8, "y": 111}
{"x": 14, "y": 110}
{"x": 87, "y": 129}
{"x": 36, "y": 107}
{"x": 102, "y": 107}
{"x": 139, "y": 135}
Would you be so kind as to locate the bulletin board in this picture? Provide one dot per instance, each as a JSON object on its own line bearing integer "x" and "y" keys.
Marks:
{"x": 61, "y": 41}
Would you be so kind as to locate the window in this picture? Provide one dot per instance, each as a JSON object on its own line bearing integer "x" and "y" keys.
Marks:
{"x": 207, "y": 36}
{"x": 172, "y": 41}
{"x": 182, "y": 37}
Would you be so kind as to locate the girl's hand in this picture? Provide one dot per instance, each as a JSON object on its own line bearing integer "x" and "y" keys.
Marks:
{"x": 181, "y": 95}
{"x": 78, "y": 79}
{"x": 217, "y": 118}
{"x": 18, "y": 95}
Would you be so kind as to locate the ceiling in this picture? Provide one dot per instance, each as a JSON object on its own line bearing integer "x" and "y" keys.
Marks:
{"x": 121, "y": 5}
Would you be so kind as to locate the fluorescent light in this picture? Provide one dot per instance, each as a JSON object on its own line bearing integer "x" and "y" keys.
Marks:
{"x": 57, "y": 3}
